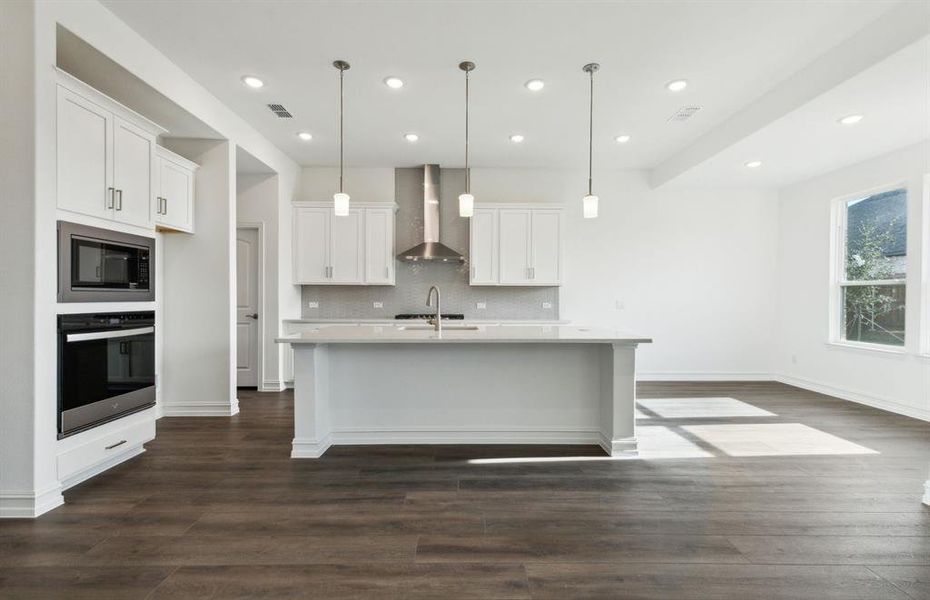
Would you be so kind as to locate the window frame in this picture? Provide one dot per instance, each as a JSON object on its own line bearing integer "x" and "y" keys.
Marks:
{"x": 924, "y": 284}
{"x": 838, "y": 281}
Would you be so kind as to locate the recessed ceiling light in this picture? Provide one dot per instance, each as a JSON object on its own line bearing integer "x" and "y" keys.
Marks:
{"x": 253, "y": 82}
{"x": 516, "y": 138}
{"x": 622, "y": 139}
{"x": 754, "y": 164}
{"x": 534, "y": 85}
{"x": 305, "y": 136}
{"x": 677, "y": 85}
{"x": 395, "y": 83}
{"x": 850, "y": 119}
{"x": 411, "y": 137}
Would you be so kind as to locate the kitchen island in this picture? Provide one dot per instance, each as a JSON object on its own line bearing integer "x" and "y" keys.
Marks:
{"x": 494, "y": 384}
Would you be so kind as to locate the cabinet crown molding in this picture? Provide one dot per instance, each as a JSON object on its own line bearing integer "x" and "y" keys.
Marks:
{"x": 70, "y": 82}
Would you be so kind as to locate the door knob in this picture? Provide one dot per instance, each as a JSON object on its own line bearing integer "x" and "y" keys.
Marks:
{"x": 253, "y": 316}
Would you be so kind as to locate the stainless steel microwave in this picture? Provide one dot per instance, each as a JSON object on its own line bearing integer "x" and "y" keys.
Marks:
{"x": 99, "y": 265}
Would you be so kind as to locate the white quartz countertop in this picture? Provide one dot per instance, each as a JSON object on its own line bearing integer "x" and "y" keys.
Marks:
{"x": 391, "y": 321}
{"x": 480, "y": 334}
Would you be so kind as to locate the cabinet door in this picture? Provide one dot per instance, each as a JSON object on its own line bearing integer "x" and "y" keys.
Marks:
{"x": 133, "y": 164}
{"x": 311, "y": 245}
{"x": 514, "y": 247}
{"x": 347, "y": 248}
{"x": 482, "y": 251}
{"x": 174, "y": 202}
{"x": 84, "y": 131}
{"x": 545, "y": 244}
{"x": 379, "y": 246}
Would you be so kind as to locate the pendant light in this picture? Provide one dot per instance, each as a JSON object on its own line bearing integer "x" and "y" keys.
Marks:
{"x": 466, "y": 200}
{"x": 589, "y": 202}
{"x": 341, "y": 199}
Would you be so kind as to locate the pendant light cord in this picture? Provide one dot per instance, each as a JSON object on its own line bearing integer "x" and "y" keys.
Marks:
{"x": 591, "y": 135}
{"x": 341, "y": 137}
{"x": 467, "y": 172}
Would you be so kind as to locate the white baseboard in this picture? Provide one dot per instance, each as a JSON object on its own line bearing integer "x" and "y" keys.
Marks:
{"x": 305, "y": 448}
{"x": 702, "y": 376}
{"x": 857, "y": 397}
{"x": 29, "y": 505}
{"x": 619, "y": 448}
{"x": 219, "y": 409}
{"x": 272, "y": 385}
{"x": 101, "y": 467}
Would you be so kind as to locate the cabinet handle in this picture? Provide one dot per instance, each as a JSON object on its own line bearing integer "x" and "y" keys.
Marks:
{"x": 110, "y": 192}
{"x": 164, "y": 204}
{"x": 119, "y": 199}
{"x": 119, "y": 443}
{"x": 387, "y": 272}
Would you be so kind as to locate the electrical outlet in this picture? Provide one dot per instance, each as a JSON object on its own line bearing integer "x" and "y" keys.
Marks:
{"x": 377, "y": 304}
{"x": 313, "y": 304}
{"x": 481, "y": 305}
{"x": 547, "y": 305}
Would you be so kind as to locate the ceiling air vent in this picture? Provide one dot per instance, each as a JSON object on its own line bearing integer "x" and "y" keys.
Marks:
{"x": 684, "y": 113}
{"x": 280, "y": 111}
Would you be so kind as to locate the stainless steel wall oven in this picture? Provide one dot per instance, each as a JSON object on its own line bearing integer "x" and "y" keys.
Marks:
{"x": 106, "y": 368}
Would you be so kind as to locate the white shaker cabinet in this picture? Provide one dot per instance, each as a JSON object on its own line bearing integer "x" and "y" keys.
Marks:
{"x": 105, "y": 156}
{"x": 516, "y": 245}
{"x": 357, "y": 249}
{"x": 174, "y": 191}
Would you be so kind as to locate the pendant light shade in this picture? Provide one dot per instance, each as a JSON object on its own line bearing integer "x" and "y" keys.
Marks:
{"x": 466, "y": 200}
{"x": 589, "y": 207}
{"x": 466, "y": 205}
{"x": 341, "y": 199}
{"x": 589, "y": 202}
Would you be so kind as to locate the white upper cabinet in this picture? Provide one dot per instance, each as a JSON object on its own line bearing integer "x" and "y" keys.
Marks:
{"x": 311, "y": 245}
{"x": 516, "y": 245}
{"x": 379, "y": 246}
{"x": 174, "y": 191}
{"x": 515, "y": 229}
{"x": 133, "y": 166}
{"x": 105, "y": 156}
{"x": 357, "y": 249}
{"x": 347, "y": 248}
{"x": 84, "y": 156}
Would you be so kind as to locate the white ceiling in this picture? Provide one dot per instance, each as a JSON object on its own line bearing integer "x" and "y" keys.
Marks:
{"x": 730, "y": 52}
{"x": 893, "y": 96}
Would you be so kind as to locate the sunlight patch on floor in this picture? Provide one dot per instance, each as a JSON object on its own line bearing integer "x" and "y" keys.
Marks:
{"x": 773, "y": 439}
{"x": 661, "y": 442}
{"x": 699, "y": 408}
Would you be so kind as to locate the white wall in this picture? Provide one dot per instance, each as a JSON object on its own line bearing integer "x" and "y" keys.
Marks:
{"x": 318, "y": 184}
{"x": 257, "y": 202}
{"x": 898, "y": 382}
{"x": 693, "y": 269}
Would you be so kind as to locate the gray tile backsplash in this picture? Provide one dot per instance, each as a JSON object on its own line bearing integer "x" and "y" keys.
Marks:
{"x": 413, "y": 280}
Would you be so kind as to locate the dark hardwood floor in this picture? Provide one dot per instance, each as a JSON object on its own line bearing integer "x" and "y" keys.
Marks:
{"x": 818, "y": 499}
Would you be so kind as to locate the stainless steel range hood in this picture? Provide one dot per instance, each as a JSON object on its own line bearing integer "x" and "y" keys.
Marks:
{"x": 431, "y": 249}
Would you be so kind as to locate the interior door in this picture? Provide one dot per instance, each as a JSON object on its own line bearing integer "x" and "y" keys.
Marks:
{"x": 347, "y": 261}
{"x": 483, "y": 247}
{"x": 311, "y": 245}
{"x": 84, "y": 131}
{"x": 545, "y": 241}
{"x": 248, "y": 335}
{"x": 379, "y": 246}
{"x": 515, "y": 246}
{"x": 133, "y": 163}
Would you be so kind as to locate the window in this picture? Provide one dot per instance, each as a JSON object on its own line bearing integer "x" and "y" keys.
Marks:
{"x": 871, "y": 267}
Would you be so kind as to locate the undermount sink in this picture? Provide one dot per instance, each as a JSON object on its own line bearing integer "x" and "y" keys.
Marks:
{"x": 444, "y": 328}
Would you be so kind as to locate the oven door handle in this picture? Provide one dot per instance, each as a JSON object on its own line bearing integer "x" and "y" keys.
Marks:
{"x": 103, "y": 335}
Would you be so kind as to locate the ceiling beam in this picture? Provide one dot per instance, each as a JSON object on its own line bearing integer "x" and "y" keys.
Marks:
{"x": 898, "y": 28}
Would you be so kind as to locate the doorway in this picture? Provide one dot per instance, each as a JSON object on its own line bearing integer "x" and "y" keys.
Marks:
{"x": 249, "y": 321}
